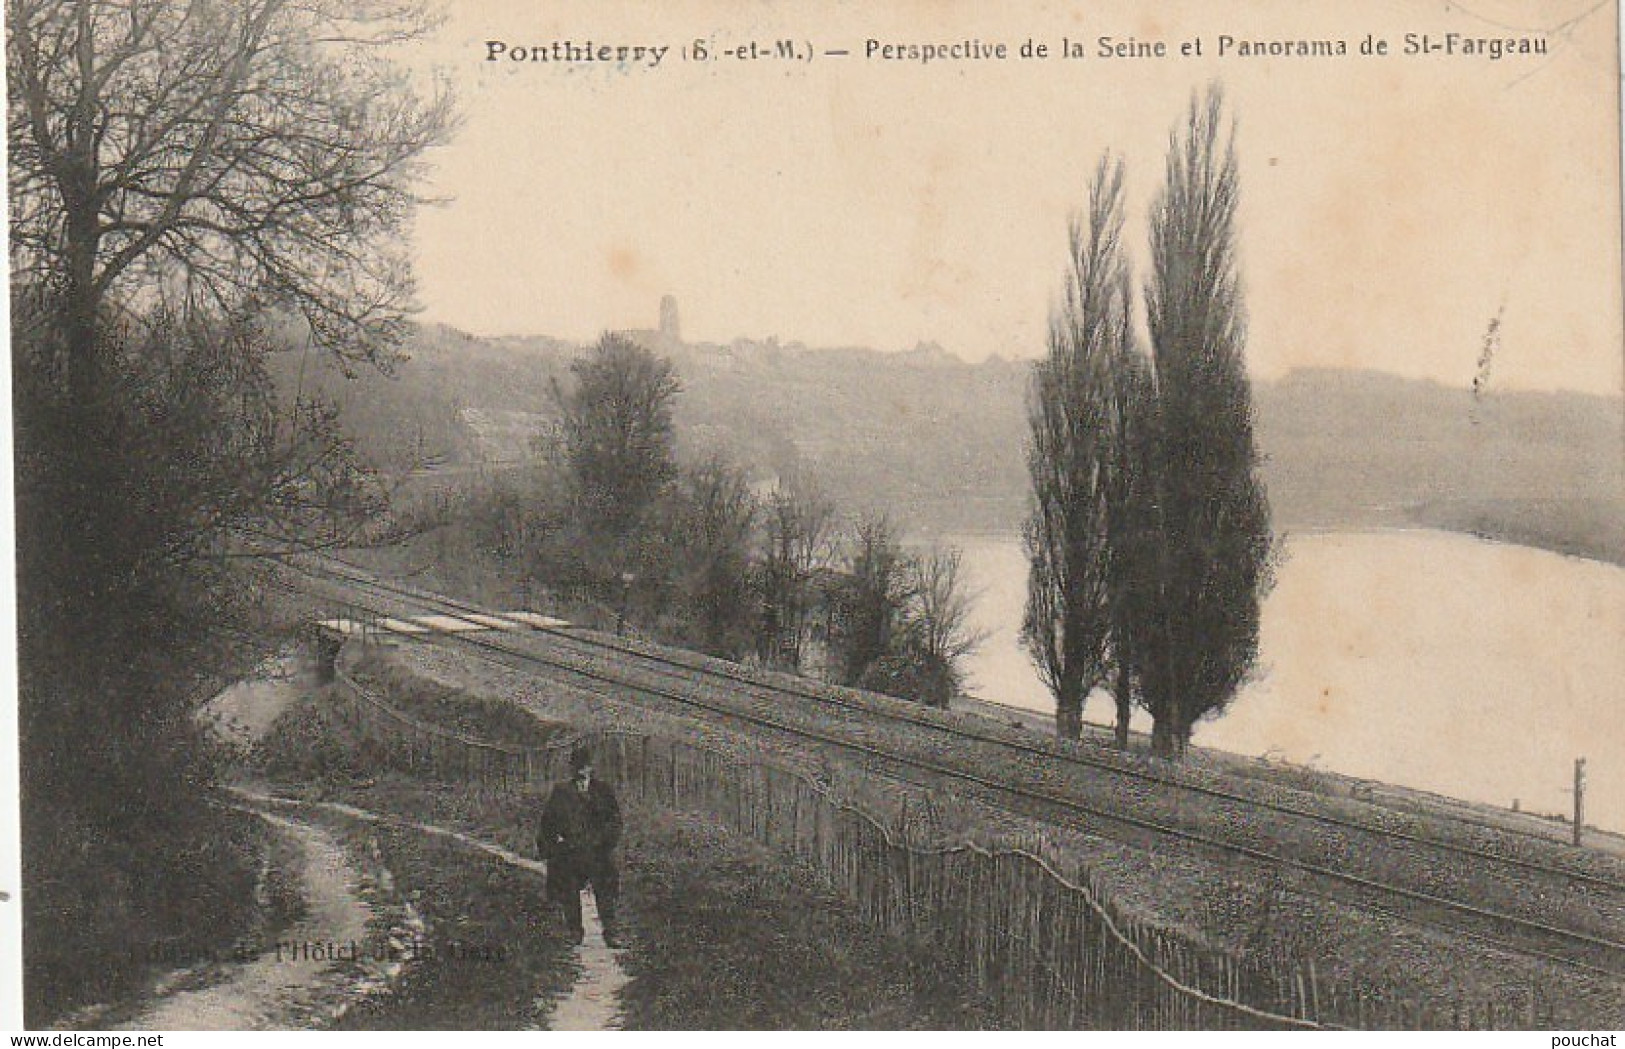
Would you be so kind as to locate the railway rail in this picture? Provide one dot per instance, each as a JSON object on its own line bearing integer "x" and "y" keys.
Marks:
{"x": 672, "y": 678}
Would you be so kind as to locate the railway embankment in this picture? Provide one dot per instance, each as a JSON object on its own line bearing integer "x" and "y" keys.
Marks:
{"x": 493, "y": 957}
{"x": 1267, "y": 913}
{"x": 1383, "y": 900}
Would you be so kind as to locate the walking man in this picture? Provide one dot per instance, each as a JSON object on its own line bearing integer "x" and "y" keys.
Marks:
{"x": 580, "y": 827}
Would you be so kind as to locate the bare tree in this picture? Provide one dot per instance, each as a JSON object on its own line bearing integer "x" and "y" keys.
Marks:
{"x": 870, "y": 599}
{"x": 1211, "y": 525}
{"x": 798, "y": 527}
{"x": 939, "y": 622}
{"x": 260, "y": 150}
{"x": 711, "y": 526}
{"x": 1070, "y": 456}
{"x": 189, "y": 183}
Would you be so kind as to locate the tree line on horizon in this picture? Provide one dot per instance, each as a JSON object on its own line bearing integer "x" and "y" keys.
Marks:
{"x": 1148, "y": 538}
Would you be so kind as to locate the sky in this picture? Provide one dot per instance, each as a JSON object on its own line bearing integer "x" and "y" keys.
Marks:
{"x": 1391, "y": 206}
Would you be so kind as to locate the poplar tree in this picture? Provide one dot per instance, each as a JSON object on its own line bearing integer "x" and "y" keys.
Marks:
{"x": 1067, "y": 623}
{"x": 1209, "y": 526}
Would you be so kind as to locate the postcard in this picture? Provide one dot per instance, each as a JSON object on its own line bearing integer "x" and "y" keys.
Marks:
{"x": 778, "y": 515}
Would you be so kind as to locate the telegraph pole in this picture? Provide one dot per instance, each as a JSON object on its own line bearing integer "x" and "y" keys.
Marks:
{"x": 1579, "y": 797}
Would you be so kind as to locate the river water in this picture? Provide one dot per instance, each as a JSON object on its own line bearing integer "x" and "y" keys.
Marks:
{"x": 1435, "y": 660}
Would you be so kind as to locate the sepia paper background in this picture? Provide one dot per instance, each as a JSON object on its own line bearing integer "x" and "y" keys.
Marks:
{"x": 1390, "y": 205}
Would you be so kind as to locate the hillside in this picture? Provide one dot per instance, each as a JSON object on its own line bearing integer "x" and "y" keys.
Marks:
{"x": 937, "y": 443}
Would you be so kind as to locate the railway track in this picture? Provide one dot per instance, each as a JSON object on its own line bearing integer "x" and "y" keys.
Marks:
{"x": 1335, "y": 862}
{"x": 1111, "y": 763}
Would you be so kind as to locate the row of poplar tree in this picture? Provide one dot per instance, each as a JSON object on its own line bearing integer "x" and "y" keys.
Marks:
{"x": 1149, "y": 537}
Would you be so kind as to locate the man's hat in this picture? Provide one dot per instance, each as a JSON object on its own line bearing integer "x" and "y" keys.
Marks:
{"x": 580, "y": 757}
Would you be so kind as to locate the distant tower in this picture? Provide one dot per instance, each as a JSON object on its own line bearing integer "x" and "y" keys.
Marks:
{"x": 670, "y": 332}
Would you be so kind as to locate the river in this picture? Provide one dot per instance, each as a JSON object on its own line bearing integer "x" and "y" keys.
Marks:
{"x": 1435, "y": 660}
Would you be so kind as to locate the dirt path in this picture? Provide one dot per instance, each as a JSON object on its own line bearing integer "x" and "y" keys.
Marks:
{"x": 592, "y": 1004}
{"x": 301, "y": 981}
{"x": 276, "y": 990}
{"x": 244, "y": 711}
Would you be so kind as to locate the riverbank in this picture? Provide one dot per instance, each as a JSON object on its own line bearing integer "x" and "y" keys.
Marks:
{"x": 1446, "y": 663}
{"x": 1591, "y": 528}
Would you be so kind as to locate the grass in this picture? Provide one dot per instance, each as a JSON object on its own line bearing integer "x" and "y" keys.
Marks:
{"x": 724, "y": 934}
{"x": 105, "y": 919}
{"x": 730, "y": 936}
{"x": 481, "y": 716}
{"x": 490, "y": 960}
{"x": 311, "y": 745}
